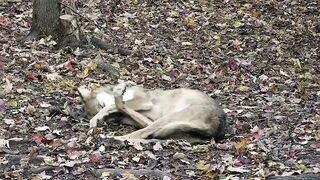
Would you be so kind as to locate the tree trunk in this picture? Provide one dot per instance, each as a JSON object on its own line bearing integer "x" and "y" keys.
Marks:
{"x": 45, "y": 20}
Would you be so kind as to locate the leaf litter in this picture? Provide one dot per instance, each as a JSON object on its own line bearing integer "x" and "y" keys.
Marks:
{"x": 258, "y": 58}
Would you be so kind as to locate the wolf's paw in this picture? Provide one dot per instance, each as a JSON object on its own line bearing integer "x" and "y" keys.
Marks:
{"x": 93, "y": 123}
{"x": 119, "y": 90}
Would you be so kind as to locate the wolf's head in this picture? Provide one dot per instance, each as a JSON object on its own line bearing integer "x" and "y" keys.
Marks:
{"x": 95, "y": 100}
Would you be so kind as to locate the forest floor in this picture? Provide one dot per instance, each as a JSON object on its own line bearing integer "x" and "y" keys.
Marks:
{"x": 259, "y": 59}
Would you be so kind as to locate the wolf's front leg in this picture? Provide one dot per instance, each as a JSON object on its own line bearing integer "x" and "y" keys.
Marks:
{"x": 139, "y": 118}
{"x": 101, "y": 114}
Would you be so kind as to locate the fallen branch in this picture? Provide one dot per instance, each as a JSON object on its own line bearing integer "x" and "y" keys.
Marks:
{"x": 140, "y": 172}
{"x": 296, "y": 177}
{"x": 41, "y": 169}
{"x": 109, "y": 47}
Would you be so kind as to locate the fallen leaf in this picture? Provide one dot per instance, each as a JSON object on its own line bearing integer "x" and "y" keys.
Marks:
{"x": 7, "y": 87}
{"x": 30, "y": 109}
{"x": 37, "y": 137}
{"x": 243, "y": 88}
{"x": 178, "y": 155}
{"x": 106, "y": 174}
{"x": 314, "y": 145}
{"x": 53, "y": 77}
{"x": 190, "y": 21}
{"x": 41, "y": 128}
{"x": 240, "y": 146}
{"x": 70, "y": 163}
{"x": 256, "y": 135}
{"x": 223, "y": 146}
{"x": 157, "y": 146}
{"x": 95, "y": 157}
{"x": 136, "y": 159}
{"x": 12, "y": 103}
{"x": 30, "y": 75}
{"x": 3, "y": 20}
{"x": 301, "y": 166}
{"x": 2, "y": 105}
{"x": 238, "y": 24}
{"x": 45, "y": 105}
{"x": 202, "y": 166}
{"x": 233, "y": 64}
{"x": 92, "y": 65}
{"x": 4, "y": 143}
{"x": 186, "y": 43}
{"x": 83, "y": 74}
{"x": 68, "y": 65}
{"x": 317, "y": 136}
{"x": 9, "y": 121}
{"x": 237, "y": 169}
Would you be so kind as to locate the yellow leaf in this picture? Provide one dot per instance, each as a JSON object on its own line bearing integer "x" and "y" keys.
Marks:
{"x": 276, "y": 165}
{"x": 83, "y": 74}
{"x": 241, "y": 145}
{"x": 273, "y": 88}
{"x": 306, "y": 76}
{"x": 96, "y": 131}
{"x": 92, "y": 65}
{"x": 23, "y": 97}
{"x": 106, "y": 174}
{"x": 135, "y": 47}
{"x": 243, "y": 88}
{"x": 236, "y": 42}
{"x": 116, "y": 65}
{"x": 212, "y": 174}
{"x": 296, "y": 63}
{"x": 190, "y": 21}
{"x": 37, "y": 65}
{"x": 217, "y": 37}
{"x": 124, "y": 71}
{"x": 12, "y": 103}
{"x": 238, "y": 24}
{"x": 202, "y": 166}
{"x": 317, "y": 136}
{"x": 69, "y": 84}
{"x": 301, "y": 166}
{"x": 174, "y": 14}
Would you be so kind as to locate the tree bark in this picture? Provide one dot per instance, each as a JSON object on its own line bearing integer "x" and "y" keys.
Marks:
{"x": 64, "y": 30}
{"x": 45, "y": 20}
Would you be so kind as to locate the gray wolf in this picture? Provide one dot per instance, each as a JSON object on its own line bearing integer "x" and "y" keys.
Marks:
{"x": 160, "y": 114}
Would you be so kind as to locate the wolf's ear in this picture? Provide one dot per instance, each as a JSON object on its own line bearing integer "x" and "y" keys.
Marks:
{"x": 84, "y": 92}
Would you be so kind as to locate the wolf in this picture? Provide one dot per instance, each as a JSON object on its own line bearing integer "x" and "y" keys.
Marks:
{"x": 159, "y": 114}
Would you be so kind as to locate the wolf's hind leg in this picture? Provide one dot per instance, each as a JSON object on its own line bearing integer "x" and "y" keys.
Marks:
{"x": 189, "y": 120}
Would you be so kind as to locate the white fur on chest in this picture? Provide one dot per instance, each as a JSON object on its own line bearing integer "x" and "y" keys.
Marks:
{"x": 106, "y": 99}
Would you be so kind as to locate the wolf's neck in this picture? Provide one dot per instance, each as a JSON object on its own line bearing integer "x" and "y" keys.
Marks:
{"x": 108, "y": 99}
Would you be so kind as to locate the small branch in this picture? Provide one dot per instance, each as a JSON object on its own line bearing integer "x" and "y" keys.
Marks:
{"x": 109, "y": 47}
{"x": 140, "y": 172}
{"x": 89, "y": 20}
{"x": 296, "y": 177}
{"x": 30, "y": 37}
{"x": 41, "y": 169}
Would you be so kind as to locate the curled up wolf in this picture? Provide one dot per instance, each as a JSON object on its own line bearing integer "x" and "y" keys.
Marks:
{"x": 159, "y": 114}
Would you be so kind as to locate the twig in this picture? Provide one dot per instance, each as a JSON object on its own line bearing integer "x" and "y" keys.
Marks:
{"x": 41, "y": 169}
{"x": 139, "y": 172}
{"x": 87, "y": 19}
